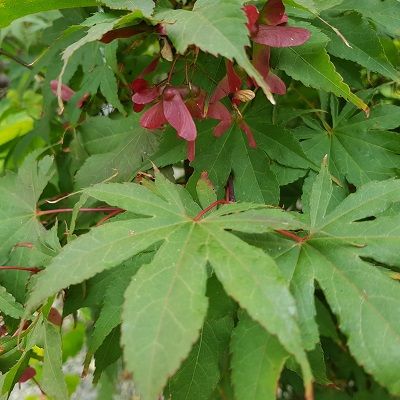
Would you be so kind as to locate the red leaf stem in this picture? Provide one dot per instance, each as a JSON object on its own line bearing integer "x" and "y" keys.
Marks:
{"x": 112, "y": 214}
{"x": 33, "y": 270}
{"x": 290, "y": 235}
{"x": 210, "y": 207}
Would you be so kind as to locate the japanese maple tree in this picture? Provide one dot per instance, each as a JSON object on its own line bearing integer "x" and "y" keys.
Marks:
{"x": 201, "y": 198}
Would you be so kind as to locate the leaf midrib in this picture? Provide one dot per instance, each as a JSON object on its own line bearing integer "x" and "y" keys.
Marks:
{"x": 162, "y": 317}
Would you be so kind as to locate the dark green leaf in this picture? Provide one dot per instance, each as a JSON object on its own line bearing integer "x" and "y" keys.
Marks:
{"x": 385, "y": 16}
{"x": 18, "y": 197}
{"x": 310, "y": 64}
{"x": 257, "y": 361}
{"x": 158, "y": 328}
{"x": 117, "y": 149}
{"x": 368, "y": 53}
{"x": 8, "y": 305}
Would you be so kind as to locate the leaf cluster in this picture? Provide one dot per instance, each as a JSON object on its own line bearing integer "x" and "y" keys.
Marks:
{"x": 201, "y": 197}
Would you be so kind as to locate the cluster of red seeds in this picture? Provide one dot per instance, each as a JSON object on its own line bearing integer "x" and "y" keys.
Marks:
{"x": 179, "y": 106}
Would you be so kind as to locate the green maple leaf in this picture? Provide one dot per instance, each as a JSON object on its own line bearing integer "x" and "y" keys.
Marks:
{"x": 113, "y": 298}
{"x": 254, "y": 181}
{"x": 9, "y": 10}
{"x": 360, "y": 149}
{"x": 53, "y": 379}
{"x": 334, "y": 253}
{"x": 307, "y": 5}
{"x": 103, "y": 77}
{"x": 310, "y": 64}
{"x": 313, "y": 6}
{"x": 385, "y": 16}
{"x": 117, "y": 149}
{"x": 200, "y": 373}
{"x": 279, "y": 144}
{"x": 158, "y": 328}
{"x": 257, "y": 361}
{"x": 19, "y": 194}
{"x": 8, "y": 305}
{"x": 368, "y": 53}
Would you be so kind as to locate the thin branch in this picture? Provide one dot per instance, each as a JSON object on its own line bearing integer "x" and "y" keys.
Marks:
{"x": 291, "y": 235}
{"x": 171, "y": 71}
{"x": 336, "y": 30}
{"x": 38, "y": 385}
{"x": 18, "y": 60}
{"x": 107, "y": 217}
{"x": 57, "y": 199}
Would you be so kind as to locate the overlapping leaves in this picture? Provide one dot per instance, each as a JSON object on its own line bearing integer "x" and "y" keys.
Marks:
{"x": 153, "y": 268}
{"x": 339, "y": 252}
{"x": 360, "y": 294}
{"x": 369, "y": 54}
{"x": 158, "y": 329}
{"x": 116, "y": 148}
{"x": 217, "y": 28}
{"x": 361, "y": 149}
{"x": 311, "y": 65}
{"x": 19, "y": 194}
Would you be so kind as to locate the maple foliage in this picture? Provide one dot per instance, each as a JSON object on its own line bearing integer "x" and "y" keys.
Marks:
{"x": 202, "y": 197}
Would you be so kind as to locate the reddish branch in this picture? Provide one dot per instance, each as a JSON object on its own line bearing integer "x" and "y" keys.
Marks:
{"x": 29, "y": 245}
{"x": 291, "y": 235}
{"x": 32, "y": 270}
{"x": 210, "y": 207}
{"x": 112, "y": 214}
{"x": 113, "y": 211}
